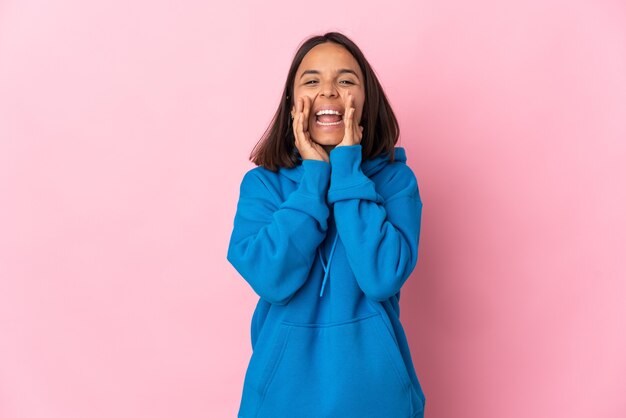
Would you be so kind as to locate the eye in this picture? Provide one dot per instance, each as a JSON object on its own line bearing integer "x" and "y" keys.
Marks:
{"x": 342, "y": 81}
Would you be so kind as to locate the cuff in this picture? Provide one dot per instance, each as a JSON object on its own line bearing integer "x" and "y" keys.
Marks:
{"x": 310, "y": 196}
{"x": 347, "y": 180}
{"x": 315, "y": 177}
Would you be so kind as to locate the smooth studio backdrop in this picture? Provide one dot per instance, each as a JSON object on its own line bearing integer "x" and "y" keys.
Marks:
{"x": 125, "y": 130}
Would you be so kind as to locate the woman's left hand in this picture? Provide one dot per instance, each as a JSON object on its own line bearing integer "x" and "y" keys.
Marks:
{"x": 353, "y": 131}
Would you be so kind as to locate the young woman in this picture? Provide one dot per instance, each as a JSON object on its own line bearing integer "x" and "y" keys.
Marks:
{"x": 326, "y": 233}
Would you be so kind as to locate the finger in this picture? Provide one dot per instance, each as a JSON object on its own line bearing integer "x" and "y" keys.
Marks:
{"x": 346, "y": 107}
{"x": 349, "y": 125}
{"x": 355, "y": 125}
{"x": 294, "y": 116}
{"x": 296, "y": 134}
{"x": 351, "y": 108}
{"x": 301, "y": 125}
{"x": 295, "y": 131}
{"x": 352, "y": 124}
{"x": 307, "y": 108}
{"x": 321, "y": 151}
{"x": 357, "y": 132}
{"x": 351, "y": 99}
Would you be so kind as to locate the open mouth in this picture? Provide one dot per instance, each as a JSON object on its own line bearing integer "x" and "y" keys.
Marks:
{"x": 328, "y": 117}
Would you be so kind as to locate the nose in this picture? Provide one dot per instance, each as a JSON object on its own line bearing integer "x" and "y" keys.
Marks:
{"x": 328, "y": 90}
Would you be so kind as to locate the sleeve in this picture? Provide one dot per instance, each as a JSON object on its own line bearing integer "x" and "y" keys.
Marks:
{"x": 380, "y": 235}
{"x": 273, "y": 245}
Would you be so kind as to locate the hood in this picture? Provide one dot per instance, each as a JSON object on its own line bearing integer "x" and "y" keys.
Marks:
{"x": 369, "y": 167}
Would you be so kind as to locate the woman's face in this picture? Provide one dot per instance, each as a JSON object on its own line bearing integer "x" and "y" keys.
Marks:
{"x": 326, "y": 74}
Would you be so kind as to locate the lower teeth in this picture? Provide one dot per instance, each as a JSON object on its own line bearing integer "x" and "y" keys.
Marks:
{"x": 328, "y": 123}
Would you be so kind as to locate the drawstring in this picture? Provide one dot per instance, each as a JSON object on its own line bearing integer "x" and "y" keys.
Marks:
{"x": 327, "y": 266}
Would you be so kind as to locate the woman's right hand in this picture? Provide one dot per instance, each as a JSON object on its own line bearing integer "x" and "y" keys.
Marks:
{"x": 309, "y": 149}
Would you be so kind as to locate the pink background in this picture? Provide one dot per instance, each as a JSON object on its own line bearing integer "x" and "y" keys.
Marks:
{"x": 125, "y": 129}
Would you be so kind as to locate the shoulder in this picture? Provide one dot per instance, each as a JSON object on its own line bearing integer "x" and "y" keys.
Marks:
{"x": 398, "y": 179}
{"x": 259, "y": 175}
{"x": 260, "y": 182}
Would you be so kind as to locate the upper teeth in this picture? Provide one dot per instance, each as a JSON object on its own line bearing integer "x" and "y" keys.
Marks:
{"x": 328, "y": 112}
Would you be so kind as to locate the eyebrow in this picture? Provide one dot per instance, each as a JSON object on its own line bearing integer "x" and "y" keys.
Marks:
{"x": 339, "y": 71}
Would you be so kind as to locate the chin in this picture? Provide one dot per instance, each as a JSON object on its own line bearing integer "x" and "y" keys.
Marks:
{"x": 325, "y": 140}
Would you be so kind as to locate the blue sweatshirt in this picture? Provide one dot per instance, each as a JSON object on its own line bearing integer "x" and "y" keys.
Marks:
{"x": 327, "y": 247}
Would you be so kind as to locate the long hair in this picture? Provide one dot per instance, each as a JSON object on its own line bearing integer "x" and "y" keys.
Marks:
{"x": 276, "y": 148}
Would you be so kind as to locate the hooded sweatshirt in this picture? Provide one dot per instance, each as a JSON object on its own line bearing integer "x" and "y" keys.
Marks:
{"x": 327, "y": 247}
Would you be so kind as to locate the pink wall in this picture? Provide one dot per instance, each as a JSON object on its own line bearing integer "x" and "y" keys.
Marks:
{"x": 124, "y": 132}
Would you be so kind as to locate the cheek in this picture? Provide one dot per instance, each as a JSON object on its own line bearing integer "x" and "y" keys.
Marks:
{"x": 361, "y": 107}
{"x": 302, "y": 96}
{"x": 359, "y": 110}
{"x": 359, "y": 102}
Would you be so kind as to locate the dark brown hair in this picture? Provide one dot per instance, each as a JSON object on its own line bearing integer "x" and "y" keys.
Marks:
{"x": 380, "y": 126}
